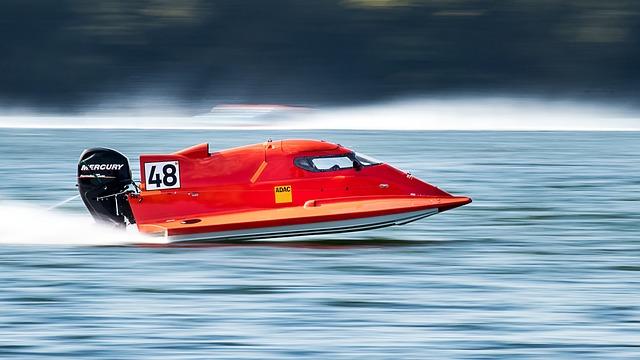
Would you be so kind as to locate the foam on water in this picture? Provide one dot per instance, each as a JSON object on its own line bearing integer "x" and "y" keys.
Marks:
{"x": 473, "y": 114}
{"x": 488, "y": 113}
{"x": 29, "y": 225}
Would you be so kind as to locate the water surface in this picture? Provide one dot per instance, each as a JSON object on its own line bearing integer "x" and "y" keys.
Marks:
{"x": 544, "y": 262}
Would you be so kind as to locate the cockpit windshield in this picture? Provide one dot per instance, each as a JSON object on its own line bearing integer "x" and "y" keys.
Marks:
{"x": 334, "y": 162}
{"x": 366, "y": 160}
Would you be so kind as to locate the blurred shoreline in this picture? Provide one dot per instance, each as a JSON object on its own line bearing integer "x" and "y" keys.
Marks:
{"x": 65, "y": 57}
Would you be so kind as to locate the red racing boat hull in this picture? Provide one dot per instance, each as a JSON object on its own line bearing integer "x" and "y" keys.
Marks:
{"x": 315, "y": 217}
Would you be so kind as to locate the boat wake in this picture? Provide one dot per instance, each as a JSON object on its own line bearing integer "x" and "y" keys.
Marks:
{"x": 28, "y": 225}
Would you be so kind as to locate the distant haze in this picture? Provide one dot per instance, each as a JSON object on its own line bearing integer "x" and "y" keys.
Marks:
{"x": 415, "y": 114}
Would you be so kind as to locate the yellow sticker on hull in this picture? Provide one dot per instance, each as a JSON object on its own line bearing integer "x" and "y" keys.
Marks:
{"x": 283, "y": 194}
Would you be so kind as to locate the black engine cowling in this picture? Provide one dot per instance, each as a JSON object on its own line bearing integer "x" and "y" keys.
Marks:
{"x": 104, "y": 178}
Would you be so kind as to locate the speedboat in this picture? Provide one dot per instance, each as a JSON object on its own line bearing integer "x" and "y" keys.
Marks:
{"x": 267, "y": 190}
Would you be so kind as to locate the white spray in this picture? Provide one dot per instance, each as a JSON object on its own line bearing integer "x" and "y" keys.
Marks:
{"x": 22, "y": 224}
{"x": 461, "y": 113}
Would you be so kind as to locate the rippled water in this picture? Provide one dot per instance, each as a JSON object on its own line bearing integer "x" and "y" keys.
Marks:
{"x": 545, "y": 262}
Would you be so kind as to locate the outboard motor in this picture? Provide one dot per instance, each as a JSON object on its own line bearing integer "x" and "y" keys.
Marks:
{"x": 104, "y": 179}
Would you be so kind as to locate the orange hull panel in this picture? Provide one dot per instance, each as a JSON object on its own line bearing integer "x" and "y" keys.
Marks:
{"x": 314, "y": 211}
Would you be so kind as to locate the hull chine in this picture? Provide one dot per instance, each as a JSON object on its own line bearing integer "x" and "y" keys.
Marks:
{"x": 321, "y": 228}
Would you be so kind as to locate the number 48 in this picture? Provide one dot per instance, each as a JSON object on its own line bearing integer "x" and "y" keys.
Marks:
{"x": 162, "y": 175}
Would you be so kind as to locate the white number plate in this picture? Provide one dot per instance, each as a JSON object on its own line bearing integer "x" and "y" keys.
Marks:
{"x": 162, "y": 175}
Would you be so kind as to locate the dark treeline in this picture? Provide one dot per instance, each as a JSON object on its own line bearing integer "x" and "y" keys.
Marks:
{"x": 68, "y": 53}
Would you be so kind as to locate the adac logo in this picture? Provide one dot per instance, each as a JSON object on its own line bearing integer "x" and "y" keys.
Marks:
{"x": 94, "y": 167}
{"x": 283, "y": 193}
